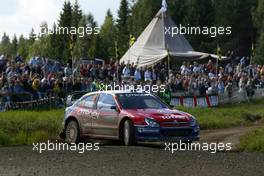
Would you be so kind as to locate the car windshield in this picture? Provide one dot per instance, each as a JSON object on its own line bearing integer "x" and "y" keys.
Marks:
{"x": 140, "y": 101}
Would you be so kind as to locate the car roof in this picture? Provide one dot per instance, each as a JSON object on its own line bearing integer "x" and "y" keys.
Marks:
{"x": 114, "y": 92}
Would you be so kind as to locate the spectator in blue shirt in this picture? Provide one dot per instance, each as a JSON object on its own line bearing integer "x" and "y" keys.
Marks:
{"x": 18, "y": 87}
{"x": 137, "y": 75}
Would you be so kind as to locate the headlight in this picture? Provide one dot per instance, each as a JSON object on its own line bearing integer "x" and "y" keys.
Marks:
{"x": 151, "y": 122}
{"x": 193, "y": 122}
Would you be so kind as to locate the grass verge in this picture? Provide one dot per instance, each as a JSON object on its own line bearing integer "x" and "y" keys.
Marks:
{"x": 228, "y": 115}
{"x": 26, "y": 127}
{"x": 252, "y": 141}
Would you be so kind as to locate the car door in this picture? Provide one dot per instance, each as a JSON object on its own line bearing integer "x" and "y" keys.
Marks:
{"x": 86, "y": 111}
{"x": 107, "y": 122}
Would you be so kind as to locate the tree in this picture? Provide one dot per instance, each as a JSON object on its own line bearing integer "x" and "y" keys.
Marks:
{"x": 5, "y": 46}
{"x": 23, "y": 47}
{"x": 142, "y": 13}
{"x": 258, "y": 16}
{"x": 76, "y": 18}
{"x": 87, "y": 45}
{"x": 35, "y": 48}
{"x": 107, "y": 37}
{"x": 14, "y": 46}
{"x": 32, "y": 37}
{"x": 122, "y": 27}
{"x": 245, "y": 17}
{"x": 82, "y": 44}
{"x": 236, "y": 14}
{"x": 45, "y": 43}
{"x": 54, "y": 43}
{"x": 92, "y": 39}
{"x": 65, "y": 23}
{"x": 177, "y": 9}
{"x": 199, "y": 13}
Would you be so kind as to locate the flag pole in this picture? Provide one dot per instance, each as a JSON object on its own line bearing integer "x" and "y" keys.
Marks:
{"x": 117, "y": 67}
{"x": 217, "y": 62}
{"x": 252, "y": 53}
{"x": 72, "y": 57}
{"x": 129, "y": 44}
{"x": 219, "y": 54}
{"x": 116, "y": 55}
{"x": 168, "y": 52}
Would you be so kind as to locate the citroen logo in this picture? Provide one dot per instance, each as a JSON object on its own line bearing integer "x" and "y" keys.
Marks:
{"x": 175, "y": 122}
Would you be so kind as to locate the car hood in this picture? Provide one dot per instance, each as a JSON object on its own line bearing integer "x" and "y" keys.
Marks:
{"x": 161, "y": 115}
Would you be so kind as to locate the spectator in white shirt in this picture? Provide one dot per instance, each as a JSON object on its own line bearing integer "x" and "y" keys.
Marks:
{"x": 147, "y": 75}
{"x": 126, "y": 71}
{"x": 196, "y": 68}
{"x": 67, "y": 71}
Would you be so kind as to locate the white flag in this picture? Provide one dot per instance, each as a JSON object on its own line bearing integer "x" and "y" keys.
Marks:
{"x": 164, "y": 5}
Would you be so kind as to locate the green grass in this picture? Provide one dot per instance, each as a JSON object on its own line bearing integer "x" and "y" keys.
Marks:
{"x": 228, "y": 115}
{"x": 26, "y": 127}
{"x": 253, "y": 141}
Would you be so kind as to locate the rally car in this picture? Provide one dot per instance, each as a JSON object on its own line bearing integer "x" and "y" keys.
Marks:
{"x": 127, "y": 116}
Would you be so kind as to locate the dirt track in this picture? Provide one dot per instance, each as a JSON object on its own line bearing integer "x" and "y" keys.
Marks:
{"x": 231, "y": 135}
{"x": 145, "y": 159}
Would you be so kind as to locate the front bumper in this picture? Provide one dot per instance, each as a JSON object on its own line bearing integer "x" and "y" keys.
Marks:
{"x": 146, "y": 133}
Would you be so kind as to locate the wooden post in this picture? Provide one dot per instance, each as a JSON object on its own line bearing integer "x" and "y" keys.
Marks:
{"x": 168, "y": 59}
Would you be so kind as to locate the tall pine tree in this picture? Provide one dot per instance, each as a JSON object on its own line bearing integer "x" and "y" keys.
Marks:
{"x": 142, "y": 13}
{"x": 23, "y": 47}
{"x": 65, "y": 21}
{"x": 107, "y": 37}
{"x": 82, "y": 44}
{"x": 258, "y": 16}
{"x": 123, "y": 27}
{"x": 236, "y": 14}
{"x": 14, "y": 46}
{"x": 76, "y": 18}
{"x": 199, "y": 13}
{"x": 5, "y": 46}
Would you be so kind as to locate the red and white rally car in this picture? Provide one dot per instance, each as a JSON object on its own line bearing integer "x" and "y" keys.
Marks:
{"x": 127, "y": 116}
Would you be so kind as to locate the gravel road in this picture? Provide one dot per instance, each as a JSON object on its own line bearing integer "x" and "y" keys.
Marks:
{"x": 115, "y": 159}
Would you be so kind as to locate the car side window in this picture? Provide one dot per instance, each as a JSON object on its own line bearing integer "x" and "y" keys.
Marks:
{"x": 88, "y": 101}
{"x": 105, "y": 102}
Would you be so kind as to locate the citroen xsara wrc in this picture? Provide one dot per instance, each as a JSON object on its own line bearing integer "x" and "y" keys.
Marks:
{"x": 127, "y": 116}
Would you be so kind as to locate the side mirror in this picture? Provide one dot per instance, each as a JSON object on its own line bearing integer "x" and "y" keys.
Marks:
{"x": 114, "y": 108}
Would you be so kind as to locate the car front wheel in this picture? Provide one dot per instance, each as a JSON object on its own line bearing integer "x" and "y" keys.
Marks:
{"x": 129, "y": 133}
{"x": 72, "y": 132}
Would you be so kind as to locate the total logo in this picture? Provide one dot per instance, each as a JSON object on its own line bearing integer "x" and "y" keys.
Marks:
{"x": 173, "y": 116}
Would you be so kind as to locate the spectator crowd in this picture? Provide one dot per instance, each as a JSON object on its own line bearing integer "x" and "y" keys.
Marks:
{"x": 43, "y": 77}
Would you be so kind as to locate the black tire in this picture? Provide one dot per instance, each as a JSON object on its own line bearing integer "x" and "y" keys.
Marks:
{"x": 72, "y": 132}
{"x": 129, "y": 133}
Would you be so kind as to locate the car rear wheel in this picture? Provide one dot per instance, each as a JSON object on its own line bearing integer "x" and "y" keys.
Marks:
{"x": 129, "y": 133}
{"x": 72, "y": 132}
